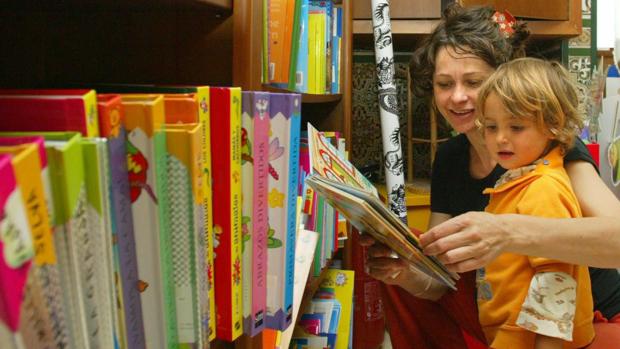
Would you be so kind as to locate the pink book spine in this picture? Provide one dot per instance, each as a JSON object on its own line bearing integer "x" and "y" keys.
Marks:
{"x": 13, "y": 268}
{"x": 260, "y": 212}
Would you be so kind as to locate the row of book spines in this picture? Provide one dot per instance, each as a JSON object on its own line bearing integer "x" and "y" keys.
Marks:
{"x": 304, "y": 45}
{"x": 153, "y": 128}
{"x": 69, "y": 209}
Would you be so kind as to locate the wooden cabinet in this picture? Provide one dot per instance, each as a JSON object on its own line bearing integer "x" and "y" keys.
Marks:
{"x": 546, "y": 19}
{"x": 401, "y": 9}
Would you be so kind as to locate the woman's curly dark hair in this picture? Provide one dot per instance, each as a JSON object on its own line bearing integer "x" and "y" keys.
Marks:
{"x": 470, "y": 31}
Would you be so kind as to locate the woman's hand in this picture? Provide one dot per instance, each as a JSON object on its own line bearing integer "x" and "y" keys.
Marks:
{"x": 466, "y": 242}
{"x": 381, "y": 262}
{"x": 383, "y": 265}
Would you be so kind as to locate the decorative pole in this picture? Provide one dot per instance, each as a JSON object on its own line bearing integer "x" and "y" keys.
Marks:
{"x": 388, "y": 107}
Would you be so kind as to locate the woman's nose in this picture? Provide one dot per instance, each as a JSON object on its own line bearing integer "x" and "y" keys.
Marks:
{"x": 459, "y": 94}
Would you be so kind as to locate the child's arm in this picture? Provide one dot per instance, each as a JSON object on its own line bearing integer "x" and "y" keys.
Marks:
{"x": 545, "y": 342}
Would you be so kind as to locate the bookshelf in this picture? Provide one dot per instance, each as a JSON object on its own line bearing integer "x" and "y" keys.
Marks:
{"x": 206, "y": 42}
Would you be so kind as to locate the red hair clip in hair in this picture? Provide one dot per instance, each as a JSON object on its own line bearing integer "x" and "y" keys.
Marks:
{"x": 506, "y": 22}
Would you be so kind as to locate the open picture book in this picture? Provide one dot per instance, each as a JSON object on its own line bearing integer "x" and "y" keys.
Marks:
{"x": 356, "y": 199}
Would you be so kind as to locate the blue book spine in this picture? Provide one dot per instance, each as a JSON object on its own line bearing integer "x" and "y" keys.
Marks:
{"x": 336, "y": 56}
{"x": 301, "y": 73}
{"x": 295, "y": 133}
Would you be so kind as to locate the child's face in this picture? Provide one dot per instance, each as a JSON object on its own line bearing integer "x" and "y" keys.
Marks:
{"x": 513, "y": 142}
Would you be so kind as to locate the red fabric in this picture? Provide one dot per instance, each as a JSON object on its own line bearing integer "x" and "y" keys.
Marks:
{"x": 451, "y": 322}
{"x": 606, "y": 332}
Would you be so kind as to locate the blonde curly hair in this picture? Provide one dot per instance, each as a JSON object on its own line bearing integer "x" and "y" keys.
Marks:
{"x": 538, "y": 89}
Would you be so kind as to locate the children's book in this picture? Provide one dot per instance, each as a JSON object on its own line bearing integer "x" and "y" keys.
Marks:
{"x": 255, "y": 162}
{"x": 43, "y": 299}
{"x": 146, "y": 158}
{"x": 130, "y": 331}
{"x": 285, "y": 115}
{"x": 96, "y": 263}
{"x": 186, "y": 229}
{"x": 178, "y": 110}
{"x": 337, "y": 288}
{"x": 70, "y": 224}
{"x": 17, "y": 249}
{"x": 368, "y": 214}
{"x": 43, "y": 322}
{"x": 304, "y": 253}
{"x": 49, "y": 110}
{"x": 226, "y": 165}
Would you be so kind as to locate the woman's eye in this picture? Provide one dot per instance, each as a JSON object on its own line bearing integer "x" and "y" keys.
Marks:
{"x": 474, "y": 83}
{"x": 443, "y": 85}
{"x": 517, "y": 128}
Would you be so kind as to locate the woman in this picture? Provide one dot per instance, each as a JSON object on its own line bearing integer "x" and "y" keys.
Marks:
{"x": 463, "y": 50}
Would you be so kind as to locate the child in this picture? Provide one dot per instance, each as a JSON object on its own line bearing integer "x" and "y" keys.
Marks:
{"x": 529, "y": 117}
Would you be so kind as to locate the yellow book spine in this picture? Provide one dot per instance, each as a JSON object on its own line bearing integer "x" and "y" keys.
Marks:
{"x": 312, "y": 53}
{"x": 92, "y": 117}
{"x": 235, "y": 163}
{"x": 27, "y": 167}
{"x": 204, "y": 118}
{"x": 321, "y": 55}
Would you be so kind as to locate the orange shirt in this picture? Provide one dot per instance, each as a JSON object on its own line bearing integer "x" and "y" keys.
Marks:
{"x": 544, "y": 192}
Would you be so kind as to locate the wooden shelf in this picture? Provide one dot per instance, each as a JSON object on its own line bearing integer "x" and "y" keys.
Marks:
{"x": 539, "y": 29}
{"x": 306, "y": 97}
{"x": 209, "y": 8}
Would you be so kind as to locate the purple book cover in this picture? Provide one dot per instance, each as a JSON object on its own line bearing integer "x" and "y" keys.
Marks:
{"x": 125, "y": 242}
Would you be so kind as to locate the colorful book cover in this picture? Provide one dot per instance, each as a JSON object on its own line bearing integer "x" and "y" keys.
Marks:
{"x": 185, "y": 198}
{"x": 146, "y": 164}
{"x": 304, "y": 254}
{"x": 276, "y": 26}
{"x": 49, "y": 110}
{"x": 95, "y": 259}
{"x": 70, "y": 224}
{"x": 226, "y": 165}
{"x": 130, "y": 331}
{"x": 338, "y": 285}
{"x": 200, "y": 94}
{"x": 285, "y": 115}
{"x": 42, "y": 304}
{"x": 189, "y": 109}
{"x": 43, "y": 297}
{"x": 16, "y": 246}
{"x": 328, "y": 162}
{"x": 255, "y": 162}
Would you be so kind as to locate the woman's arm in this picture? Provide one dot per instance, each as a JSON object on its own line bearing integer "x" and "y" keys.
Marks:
{"x": 471, "y": 240}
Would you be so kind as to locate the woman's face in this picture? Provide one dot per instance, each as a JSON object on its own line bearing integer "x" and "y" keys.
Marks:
{"x": 456, "y": 81}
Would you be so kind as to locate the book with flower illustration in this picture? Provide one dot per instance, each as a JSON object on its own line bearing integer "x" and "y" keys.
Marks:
{"x": 254, "y": 159}
{"x": 349, "y": 192}
{"x": 226, "y": 174}
{"x": 284, "y": 141}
